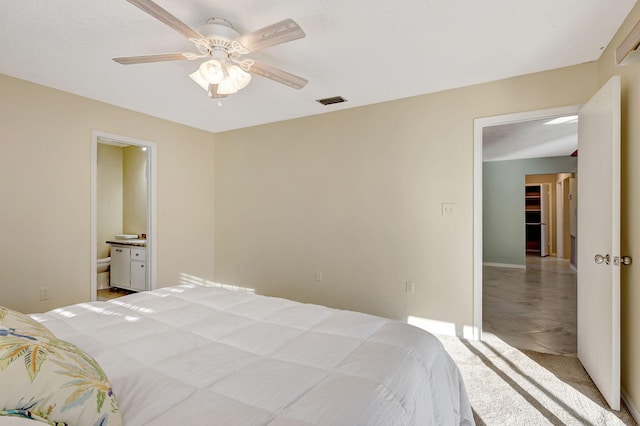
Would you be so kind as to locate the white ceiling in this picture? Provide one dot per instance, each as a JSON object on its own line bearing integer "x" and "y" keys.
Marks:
{"x": 530, "y": 139}
{"x": 367, "y": 51}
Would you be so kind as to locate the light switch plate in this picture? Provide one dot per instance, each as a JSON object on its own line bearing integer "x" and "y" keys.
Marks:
{"x": 449, "y": 209}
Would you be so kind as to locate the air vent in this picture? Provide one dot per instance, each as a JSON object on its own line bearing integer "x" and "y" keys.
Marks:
{"x": 333, "y": 100}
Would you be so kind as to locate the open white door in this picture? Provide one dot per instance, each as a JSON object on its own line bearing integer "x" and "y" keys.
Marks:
{"x": 544, "y": 220}
{"x": 599, "y": 240}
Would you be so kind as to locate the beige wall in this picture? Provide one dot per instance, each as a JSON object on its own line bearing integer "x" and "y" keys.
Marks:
{"x": 355, "y": 194}
{"x": 564, "y": 218}
{"x": 109, "y": 196}
{"x": 630, "y": 291}
{"x": 134, "y": 180}
{"x": 45, "y": 188}
{"x": 358, "y": 193}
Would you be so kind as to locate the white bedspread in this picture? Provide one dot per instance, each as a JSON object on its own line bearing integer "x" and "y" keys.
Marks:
{"x": 196, "y": 355}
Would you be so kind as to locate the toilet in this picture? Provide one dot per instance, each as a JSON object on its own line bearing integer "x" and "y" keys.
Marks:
{"x": 103, "y": 264}
{"x": 103, "y": 273}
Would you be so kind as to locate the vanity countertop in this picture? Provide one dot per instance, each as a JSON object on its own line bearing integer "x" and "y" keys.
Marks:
{"x": 135, "y": 243}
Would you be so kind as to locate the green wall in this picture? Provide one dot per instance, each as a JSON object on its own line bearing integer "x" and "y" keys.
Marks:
{"x": 503, "y": 232}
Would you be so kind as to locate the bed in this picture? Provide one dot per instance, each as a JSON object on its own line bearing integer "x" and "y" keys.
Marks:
{"x": 206, "y": 355}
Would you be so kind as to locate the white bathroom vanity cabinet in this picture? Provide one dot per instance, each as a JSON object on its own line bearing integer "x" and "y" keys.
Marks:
{"x": 128, "y": 267}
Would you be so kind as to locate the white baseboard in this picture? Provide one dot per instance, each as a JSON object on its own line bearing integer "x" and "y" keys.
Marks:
{"x": 504, "y": 265}
{"x": 635, "y": 413}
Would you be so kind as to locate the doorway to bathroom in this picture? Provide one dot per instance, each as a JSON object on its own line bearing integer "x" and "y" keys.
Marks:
{"x": 123, "y": 215}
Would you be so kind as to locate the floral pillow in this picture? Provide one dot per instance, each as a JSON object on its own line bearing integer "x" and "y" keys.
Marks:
{"x": 48, "y": 379}
{"x": 15, "y": 320}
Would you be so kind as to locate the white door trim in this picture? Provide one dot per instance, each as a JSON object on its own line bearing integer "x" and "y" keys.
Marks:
{"x": 152, "y": 225}
{"x": 478, "y": 125}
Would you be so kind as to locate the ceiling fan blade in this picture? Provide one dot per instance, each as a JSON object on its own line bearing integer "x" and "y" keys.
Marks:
{"x": 278, "y": 75}
{"x": 166, "y": 18}
{"x": 278, "y": 33}
{"x": 131, "y": 60}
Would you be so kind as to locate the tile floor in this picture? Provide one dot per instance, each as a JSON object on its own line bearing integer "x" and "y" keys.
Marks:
{"x": 532, "y": 308}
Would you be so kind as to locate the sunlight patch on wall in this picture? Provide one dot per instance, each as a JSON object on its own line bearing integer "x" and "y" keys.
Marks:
{"x": 186, "y": 279}
{"x": 441, "y": 327}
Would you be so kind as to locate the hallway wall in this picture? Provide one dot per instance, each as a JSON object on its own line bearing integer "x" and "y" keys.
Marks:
{"x": 503, "y": 226}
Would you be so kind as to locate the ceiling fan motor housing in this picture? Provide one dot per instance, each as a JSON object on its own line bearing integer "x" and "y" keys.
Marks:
{"x": 219, "y": 32}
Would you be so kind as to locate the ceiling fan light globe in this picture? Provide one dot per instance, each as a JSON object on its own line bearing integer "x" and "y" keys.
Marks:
{"x": 240, "y": 78}
{"x": 197, "y": 78}
{"x": 211, "y": 71}
{"x": 226, "y": 87}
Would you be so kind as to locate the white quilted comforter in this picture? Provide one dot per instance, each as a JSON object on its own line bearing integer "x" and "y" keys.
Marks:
{"x": 197, "y": 355}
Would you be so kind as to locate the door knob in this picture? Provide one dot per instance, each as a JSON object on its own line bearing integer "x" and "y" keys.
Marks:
{"x": 602, "y": 259}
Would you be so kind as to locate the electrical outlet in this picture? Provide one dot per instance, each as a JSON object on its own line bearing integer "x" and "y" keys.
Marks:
{"x": 448, "y": 209}
{"x": 44, "y": 293}
{"x": 318, "y": 275}
{"x": 409, "y": 287}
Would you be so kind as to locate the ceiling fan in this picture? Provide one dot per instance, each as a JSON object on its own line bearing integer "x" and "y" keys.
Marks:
{"x": 225, "y": 71}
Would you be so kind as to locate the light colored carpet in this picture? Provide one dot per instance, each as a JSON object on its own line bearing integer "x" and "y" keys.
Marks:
{"x": 508, "y": 386}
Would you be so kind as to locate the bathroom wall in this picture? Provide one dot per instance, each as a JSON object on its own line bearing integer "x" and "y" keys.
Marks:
{"x": 109, "y": 177}
{"x": 134, "y": 181}
{"x": 122, "y": 193}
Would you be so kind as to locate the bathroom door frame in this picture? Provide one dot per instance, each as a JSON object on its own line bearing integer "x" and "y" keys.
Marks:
{"x": 152, "y": 226}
